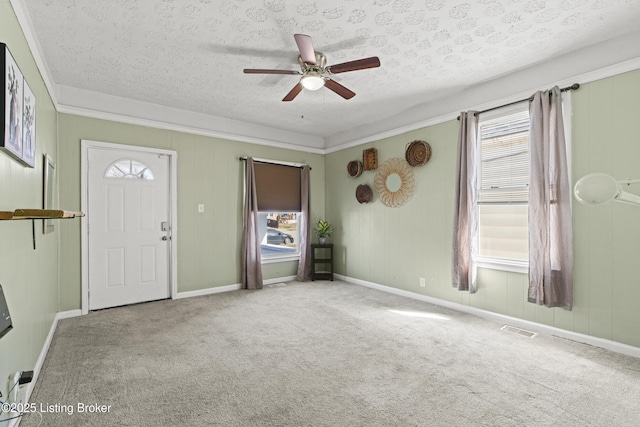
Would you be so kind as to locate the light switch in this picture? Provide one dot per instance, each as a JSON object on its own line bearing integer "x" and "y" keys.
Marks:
{"x": 201, "y": 208}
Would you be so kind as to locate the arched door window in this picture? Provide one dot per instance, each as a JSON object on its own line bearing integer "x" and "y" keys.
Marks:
{"x": 130, "y": 169}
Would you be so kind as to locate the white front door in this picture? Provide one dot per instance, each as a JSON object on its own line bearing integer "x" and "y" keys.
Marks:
{"x": 128, "y": 218}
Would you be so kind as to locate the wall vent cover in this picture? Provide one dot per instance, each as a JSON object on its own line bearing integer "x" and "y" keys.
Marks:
{"x": 519, "y": 331}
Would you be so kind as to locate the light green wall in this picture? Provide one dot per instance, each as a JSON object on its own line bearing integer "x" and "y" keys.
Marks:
{"x": 607, "y": 237}
{"x": 209, "y": 172}
{"x": 395, "y": 247}
{"x": 29, "y": 277}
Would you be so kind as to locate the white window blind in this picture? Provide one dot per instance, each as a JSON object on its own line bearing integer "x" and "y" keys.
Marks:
{"x": 504, "y": 188}
{"x": 504, "y": 165}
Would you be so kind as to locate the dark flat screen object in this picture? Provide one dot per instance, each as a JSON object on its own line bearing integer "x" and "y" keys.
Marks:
{"x": 5, "y": 317}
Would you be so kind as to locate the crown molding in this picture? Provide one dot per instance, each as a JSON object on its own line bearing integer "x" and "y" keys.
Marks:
{"x": 592, "y": 76}
{"x": 201, "y": 124}
{"x": 602, "y": 60}
{"x": 595, "y": 62}
{"x": 191, "y": 129}
{"x": 25, "y": 23}
{"x": 101, "y": 106}
{"x": 83, "y": 103}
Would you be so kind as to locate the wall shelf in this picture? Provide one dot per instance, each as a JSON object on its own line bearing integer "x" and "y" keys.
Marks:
{"x": 34, "y": 214}
{"x": 19, "y": 214}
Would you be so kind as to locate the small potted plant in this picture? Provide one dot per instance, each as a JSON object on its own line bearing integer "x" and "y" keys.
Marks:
{"x": 323, "y": 229}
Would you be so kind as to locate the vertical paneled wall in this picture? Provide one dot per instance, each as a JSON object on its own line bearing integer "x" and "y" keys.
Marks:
{"x": 209, "y": 173}
{"x": 397, "y": 246}
{"x": 29, "y": 277}
{"x": 607, "y": 237}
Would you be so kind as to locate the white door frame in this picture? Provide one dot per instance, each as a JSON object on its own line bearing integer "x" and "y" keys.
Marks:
{"x": 173, "y": 211}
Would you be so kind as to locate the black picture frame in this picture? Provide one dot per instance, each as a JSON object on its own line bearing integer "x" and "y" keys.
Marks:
{"x": 18, "y": 107}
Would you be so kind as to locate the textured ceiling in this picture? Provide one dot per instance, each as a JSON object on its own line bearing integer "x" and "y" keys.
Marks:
{"x": 189, "y": 54}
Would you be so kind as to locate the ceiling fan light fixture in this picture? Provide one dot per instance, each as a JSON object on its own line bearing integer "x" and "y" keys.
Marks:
{"x": 312, "y": 81}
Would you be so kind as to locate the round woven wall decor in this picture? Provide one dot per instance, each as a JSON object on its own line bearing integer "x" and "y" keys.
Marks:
{"x": 364, "y": 194}
{"x": 417, "y": 153}
{"x": 354, "y": 168}
{"x": 394, "y": 182}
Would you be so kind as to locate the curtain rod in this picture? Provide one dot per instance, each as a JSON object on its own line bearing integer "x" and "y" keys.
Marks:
{"x": 275, "y": 162}
{"x": 572, "y": 87}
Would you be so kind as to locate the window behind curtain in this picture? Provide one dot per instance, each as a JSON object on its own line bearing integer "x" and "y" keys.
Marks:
{"x": 504, "y": 188}
{"x": 278, "y": 190}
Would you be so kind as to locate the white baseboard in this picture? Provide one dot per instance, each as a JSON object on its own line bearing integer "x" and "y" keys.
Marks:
{"x": 279, "y": 280}
{"x": 228, "y": 288}
{"x": 43, "y": 355}
{"x": 207, "y": 291}
{"x": 514, "y": 321}
{"x": 68, "y": 314}
{"x": 75, "y": 313}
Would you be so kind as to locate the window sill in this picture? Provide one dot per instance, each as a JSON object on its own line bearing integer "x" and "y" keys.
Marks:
{"x": 285, "y": 258}
{"x": 510, "y": 265}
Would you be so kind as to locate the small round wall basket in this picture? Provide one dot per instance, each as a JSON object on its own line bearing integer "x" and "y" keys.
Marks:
{"x": 394, "y": 182}
{"x": 417, "y": 153}
{"x": 354, "y": 168}
{"x": 364, "y": 193}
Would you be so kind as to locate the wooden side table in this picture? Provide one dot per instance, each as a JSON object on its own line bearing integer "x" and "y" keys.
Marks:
{"x": 322, "y": 261}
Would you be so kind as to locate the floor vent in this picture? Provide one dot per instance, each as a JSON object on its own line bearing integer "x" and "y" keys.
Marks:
{"x": 518, "y": 331}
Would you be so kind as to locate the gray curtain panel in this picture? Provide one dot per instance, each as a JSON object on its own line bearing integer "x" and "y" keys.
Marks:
{"x": 304, "y": 265}
{"x": 550, "y": 233}
{"x": 251, "y": 267}
{"x": 466, "y": 217}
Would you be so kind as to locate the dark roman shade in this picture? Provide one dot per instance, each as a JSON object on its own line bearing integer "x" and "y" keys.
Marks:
{"x": 277, "y": 187}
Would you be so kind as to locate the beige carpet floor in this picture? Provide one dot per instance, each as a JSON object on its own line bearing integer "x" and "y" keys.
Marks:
{"x": 323, "y": 354}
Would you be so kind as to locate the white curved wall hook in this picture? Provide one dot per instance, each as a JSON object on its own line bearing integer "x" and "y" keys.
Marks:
{"x": 597, "y": 188}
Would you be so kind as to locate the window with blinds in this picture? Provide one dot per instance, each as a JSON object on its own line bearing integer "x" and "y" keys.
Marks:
{"x": 504, "y": 187}
{"x": 504, "y": 164}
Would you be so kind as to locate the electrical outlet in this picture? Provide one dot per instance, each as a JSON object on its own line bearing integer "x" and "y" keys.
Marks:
{"x": 201, "y": 208}
{"x": 422, "y": 282}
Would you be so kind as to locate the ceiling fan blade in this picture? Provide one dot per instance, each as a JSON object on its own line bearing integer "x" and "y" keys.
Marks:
{"x": 305, "y": 47}
{"x": 359, "y": 64}
{"x": 263, "y": 71}
{"x": 293, "y": 93}
{"x": 339, "y": 89}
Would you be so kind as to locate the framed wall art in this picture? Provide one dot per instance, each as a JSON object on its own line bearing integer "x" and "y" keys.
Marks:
{"x": 28, "y": 126}
{"x": 18, "y": 124}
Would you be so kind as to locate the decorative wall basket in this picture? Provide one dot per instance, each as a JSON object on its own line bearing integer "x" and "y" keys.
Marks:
{"x": 394, "y": 182}
{"x": 364, "y": 193}
{"x": 370, "y": 159}
{"x": 417, "y": 153}
{"x": 354, "y": 168}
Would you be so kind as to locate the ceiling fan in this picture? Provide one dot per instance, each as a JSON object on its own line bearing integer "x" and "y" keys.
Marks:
{"x": 314, "y": 71}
